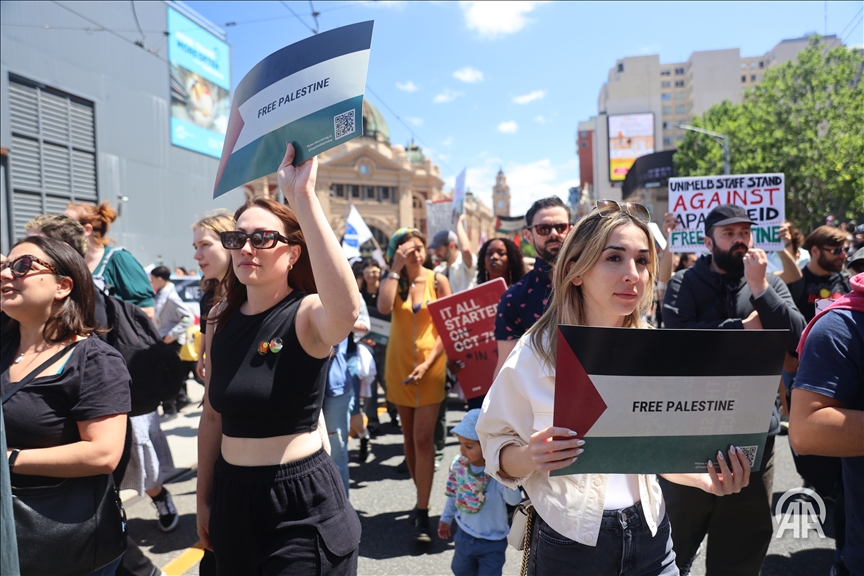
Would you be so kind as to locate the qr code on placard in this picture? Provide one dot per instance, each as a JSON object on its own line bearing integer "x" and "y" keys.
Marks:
{"x": 750, "y": 452}
{"x": 344, "y": 124}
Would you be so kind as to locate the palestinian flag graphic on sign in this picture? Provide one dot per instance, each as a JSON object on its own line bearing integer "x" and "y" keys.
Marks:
{"x": 665, "y": 401}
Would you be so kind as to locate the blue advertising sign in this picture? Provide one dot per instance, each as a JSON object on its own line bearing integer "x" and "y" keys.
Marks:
{"x": 200, "y": 86}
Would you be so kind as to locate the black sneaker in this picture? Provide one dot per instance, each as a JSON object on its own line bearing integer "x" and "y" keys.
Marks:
{"x": 422, "y": 534}
{"x": 168, "y": 517}
{"x": 363, "y": 454}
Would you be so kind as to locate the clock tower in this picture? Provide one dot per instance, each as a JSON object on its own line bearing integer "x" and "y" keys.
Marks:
{"x": 501, "y": 195}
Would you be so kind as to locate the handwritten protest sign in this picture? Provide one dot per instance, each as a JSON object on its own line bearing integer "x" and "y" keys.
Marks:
{"x": 762, "y": 195}
{"x": 309, "y": 93}
{"x": 665, "y": 401}
{"x": 439, "y": 216}
{"x": 466, "y": 323}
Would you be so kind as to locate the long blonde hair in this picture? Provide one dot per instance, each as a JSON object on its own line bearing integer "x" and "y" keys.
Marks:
{"x": 217, "y": 223}
{"x": 581, "y": 250}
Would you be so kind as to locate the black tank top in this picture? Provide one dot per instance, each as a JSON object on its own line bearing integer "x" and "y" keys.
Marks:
{"x": 270, "y": 394}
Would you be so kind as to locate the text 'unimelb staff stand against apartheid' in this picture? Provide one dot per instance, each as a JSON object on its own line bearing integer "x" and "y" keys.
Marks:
{"x": 761, "y": 195}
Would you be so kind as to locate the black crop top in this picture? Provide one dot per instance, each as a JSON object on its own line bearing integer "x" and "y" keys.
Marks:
{"x": 271, "y": 394}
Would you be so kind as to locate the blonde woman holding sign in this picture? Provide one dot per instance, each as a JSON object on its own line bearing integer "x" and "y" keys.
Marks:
{"x": 586, "y": 523}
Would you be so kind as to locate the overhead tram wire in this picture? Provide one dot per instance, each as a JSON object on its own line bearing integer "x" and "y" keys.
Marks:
{"x": 110, "y": 31}
{"x": 840, "y": 35}
{"x": 414, "y": 136}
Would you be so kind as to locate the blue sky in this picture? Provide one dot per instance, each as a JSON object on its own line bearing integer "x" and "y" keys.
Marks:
{"x": 488, "y": 85}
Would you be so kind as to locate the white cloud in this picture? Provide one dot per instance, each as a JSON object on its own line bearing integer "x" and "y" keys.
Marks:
{"x": 509, "y": 127}
{"x": 540, "y": 119}
{"x": 493, "y": 19}
{"x": 414, "y": 121}
{"x": 447, "y": 141}
{"x": 468, "y": 75}
{"x": 530, "y": 97}
{"x": 540, "y": 179}
{"x": 447, "y": 95}
{"x": 408, "y": 86}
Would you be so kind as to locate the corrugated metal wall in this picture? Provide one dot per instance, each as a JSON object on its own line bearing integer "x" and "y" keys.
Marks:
{"x": 88, "y": 52}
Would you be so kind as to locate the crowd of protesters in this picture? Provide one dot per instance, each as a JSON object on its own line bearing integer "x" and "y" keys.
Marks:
{"x": 273, "y": 437}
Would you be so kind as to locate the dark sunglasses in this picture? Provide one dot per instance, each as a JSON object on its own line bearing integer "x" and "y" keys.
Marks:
{"x": 609, "y": 207}
{"x": 836, "y": 251}
{"x": 260, "y": 239}
{"x": 546, "y": 229}
{"x": 22, "y": 265}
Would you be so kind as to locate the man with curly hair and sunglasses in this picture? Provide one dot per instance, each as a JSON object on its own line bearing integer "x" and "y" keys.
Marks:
{"x": 548, "y": 222}
{"x": 823, "y": 277}
{"x": 729, "y": 289}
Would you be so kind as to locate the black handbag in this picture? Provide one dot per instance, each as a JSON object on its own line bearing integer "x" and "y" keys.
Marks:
{"x": 74, "y": 527}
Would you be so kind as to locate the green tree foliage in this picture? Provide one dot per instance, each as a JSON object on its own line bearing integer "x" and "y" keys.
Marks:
{"x": 527, "y": 249}
{"x": 806, "y": 120}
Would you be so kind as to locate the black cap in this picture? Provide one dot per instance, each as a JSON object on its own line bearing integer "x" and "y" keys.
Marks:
{"x": 726, "y": 214}
{"x": 857, "y": 257}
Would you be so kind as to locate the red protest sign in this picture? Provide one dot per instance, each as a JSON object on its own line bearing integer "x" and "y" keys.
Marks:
{"x": 466, "y": 323}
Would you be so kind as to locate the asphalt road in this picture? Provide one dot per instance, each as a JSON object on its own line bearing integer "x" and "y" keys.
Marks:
{"x": 383, "y": 498}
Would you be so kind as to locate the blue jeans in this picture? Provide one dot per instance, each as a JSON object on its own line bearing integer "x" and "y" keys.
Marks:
{"x": 477, "y": 556}
{"x": 337, "y": 416}
{"x": 624, "y": 546}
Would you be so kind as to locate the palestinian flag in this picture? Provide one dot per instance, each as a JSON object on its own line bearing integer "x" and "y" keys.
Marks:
{"x": 665, "y": 401}
{"x": 309, "y": 93}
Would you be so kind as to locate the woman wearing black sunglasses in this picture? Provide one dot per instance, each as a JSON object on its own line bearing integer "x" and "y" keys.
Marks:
{"x": 65, "y": 398}
{"x": 270, "y": 499}
{"x": 586, "y": 523}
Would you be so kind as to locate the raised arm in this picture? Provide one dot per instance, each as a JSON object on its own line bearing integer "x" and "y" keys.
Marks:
{"x": 464, "y": 242}
{"x": 664, "y": 269}
{"x": 331, "y": 316}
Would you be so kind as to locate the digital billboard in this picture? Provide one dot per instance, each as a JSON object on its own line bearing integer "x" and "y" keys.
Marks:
{"x": 200, "y": 86}
{"x": 630, "y": 136}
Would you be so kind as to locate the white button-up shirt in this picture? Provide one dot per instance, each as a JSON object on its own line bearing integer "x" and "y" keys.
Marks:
{"x": 461, "y": 277}
{"x": 520, "y": 403}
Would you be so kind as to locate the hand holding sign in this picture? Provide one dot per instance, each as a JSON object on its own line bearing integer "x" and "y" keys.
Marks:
{"x": 548, "y": 453}
{"x": 730, "y": 480}
{"x": 297, "y": 182}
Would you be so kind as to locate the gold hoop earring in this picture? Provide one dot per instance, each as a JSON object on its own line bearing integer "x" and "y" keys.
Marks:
{"x": 290, "y": 266}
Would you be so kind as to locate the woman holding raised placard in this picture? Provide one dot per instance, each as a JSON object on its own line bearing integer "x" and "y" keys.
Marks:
{"x": 586, "y": 523}
{"x": 270, "y": 500}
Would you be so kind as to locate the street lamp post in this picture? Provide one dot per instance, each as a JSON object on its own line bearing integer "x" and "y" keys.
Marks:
{"x": 722, "y": 138}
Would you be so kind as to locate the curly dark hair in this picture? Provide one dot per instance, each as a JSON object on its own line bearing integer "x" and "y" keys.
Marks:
{"x": 515, "y": 264}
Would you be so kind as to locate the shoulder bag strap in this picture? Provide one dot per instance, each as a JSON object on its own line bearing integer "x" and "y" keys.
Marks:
{"x": 27, "y": 379}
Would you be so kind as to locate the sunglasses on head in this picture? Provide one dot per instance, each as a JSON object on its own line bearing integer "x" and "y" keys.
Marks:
{"x": 22, "y": 265}
{"x": 610, "y": 207}
{"x": 260, "y": 239}
{"x": 836, "y": 251}
{"x": 371, "y": 271}
{"x": 546, "y": 229}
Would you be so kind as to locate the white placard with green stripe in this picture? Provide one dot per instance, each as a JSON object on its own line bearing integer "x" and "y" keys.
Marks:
{"x": 665, "y": 401}
{"x": 309, "y": 93}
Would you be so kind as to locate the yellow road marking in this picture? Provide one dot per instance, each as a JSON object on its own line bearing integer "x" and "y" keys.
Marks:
{"x": 185, "y": 561}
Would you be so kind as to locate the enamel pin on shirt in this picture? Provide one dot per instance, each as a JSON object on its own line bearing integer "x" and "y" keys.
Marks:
{"x": 274, "y": 346}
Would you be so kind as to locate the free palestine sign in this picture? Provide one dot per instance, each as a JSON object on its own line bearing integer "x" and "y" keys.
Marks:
{"x": 309, "y": 93}
{"x": 665, "y": 401}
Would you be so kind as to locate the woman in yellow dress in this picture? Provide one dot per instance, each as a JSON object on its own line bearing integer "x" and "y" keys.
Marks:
{"x": 416, "y": 364}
